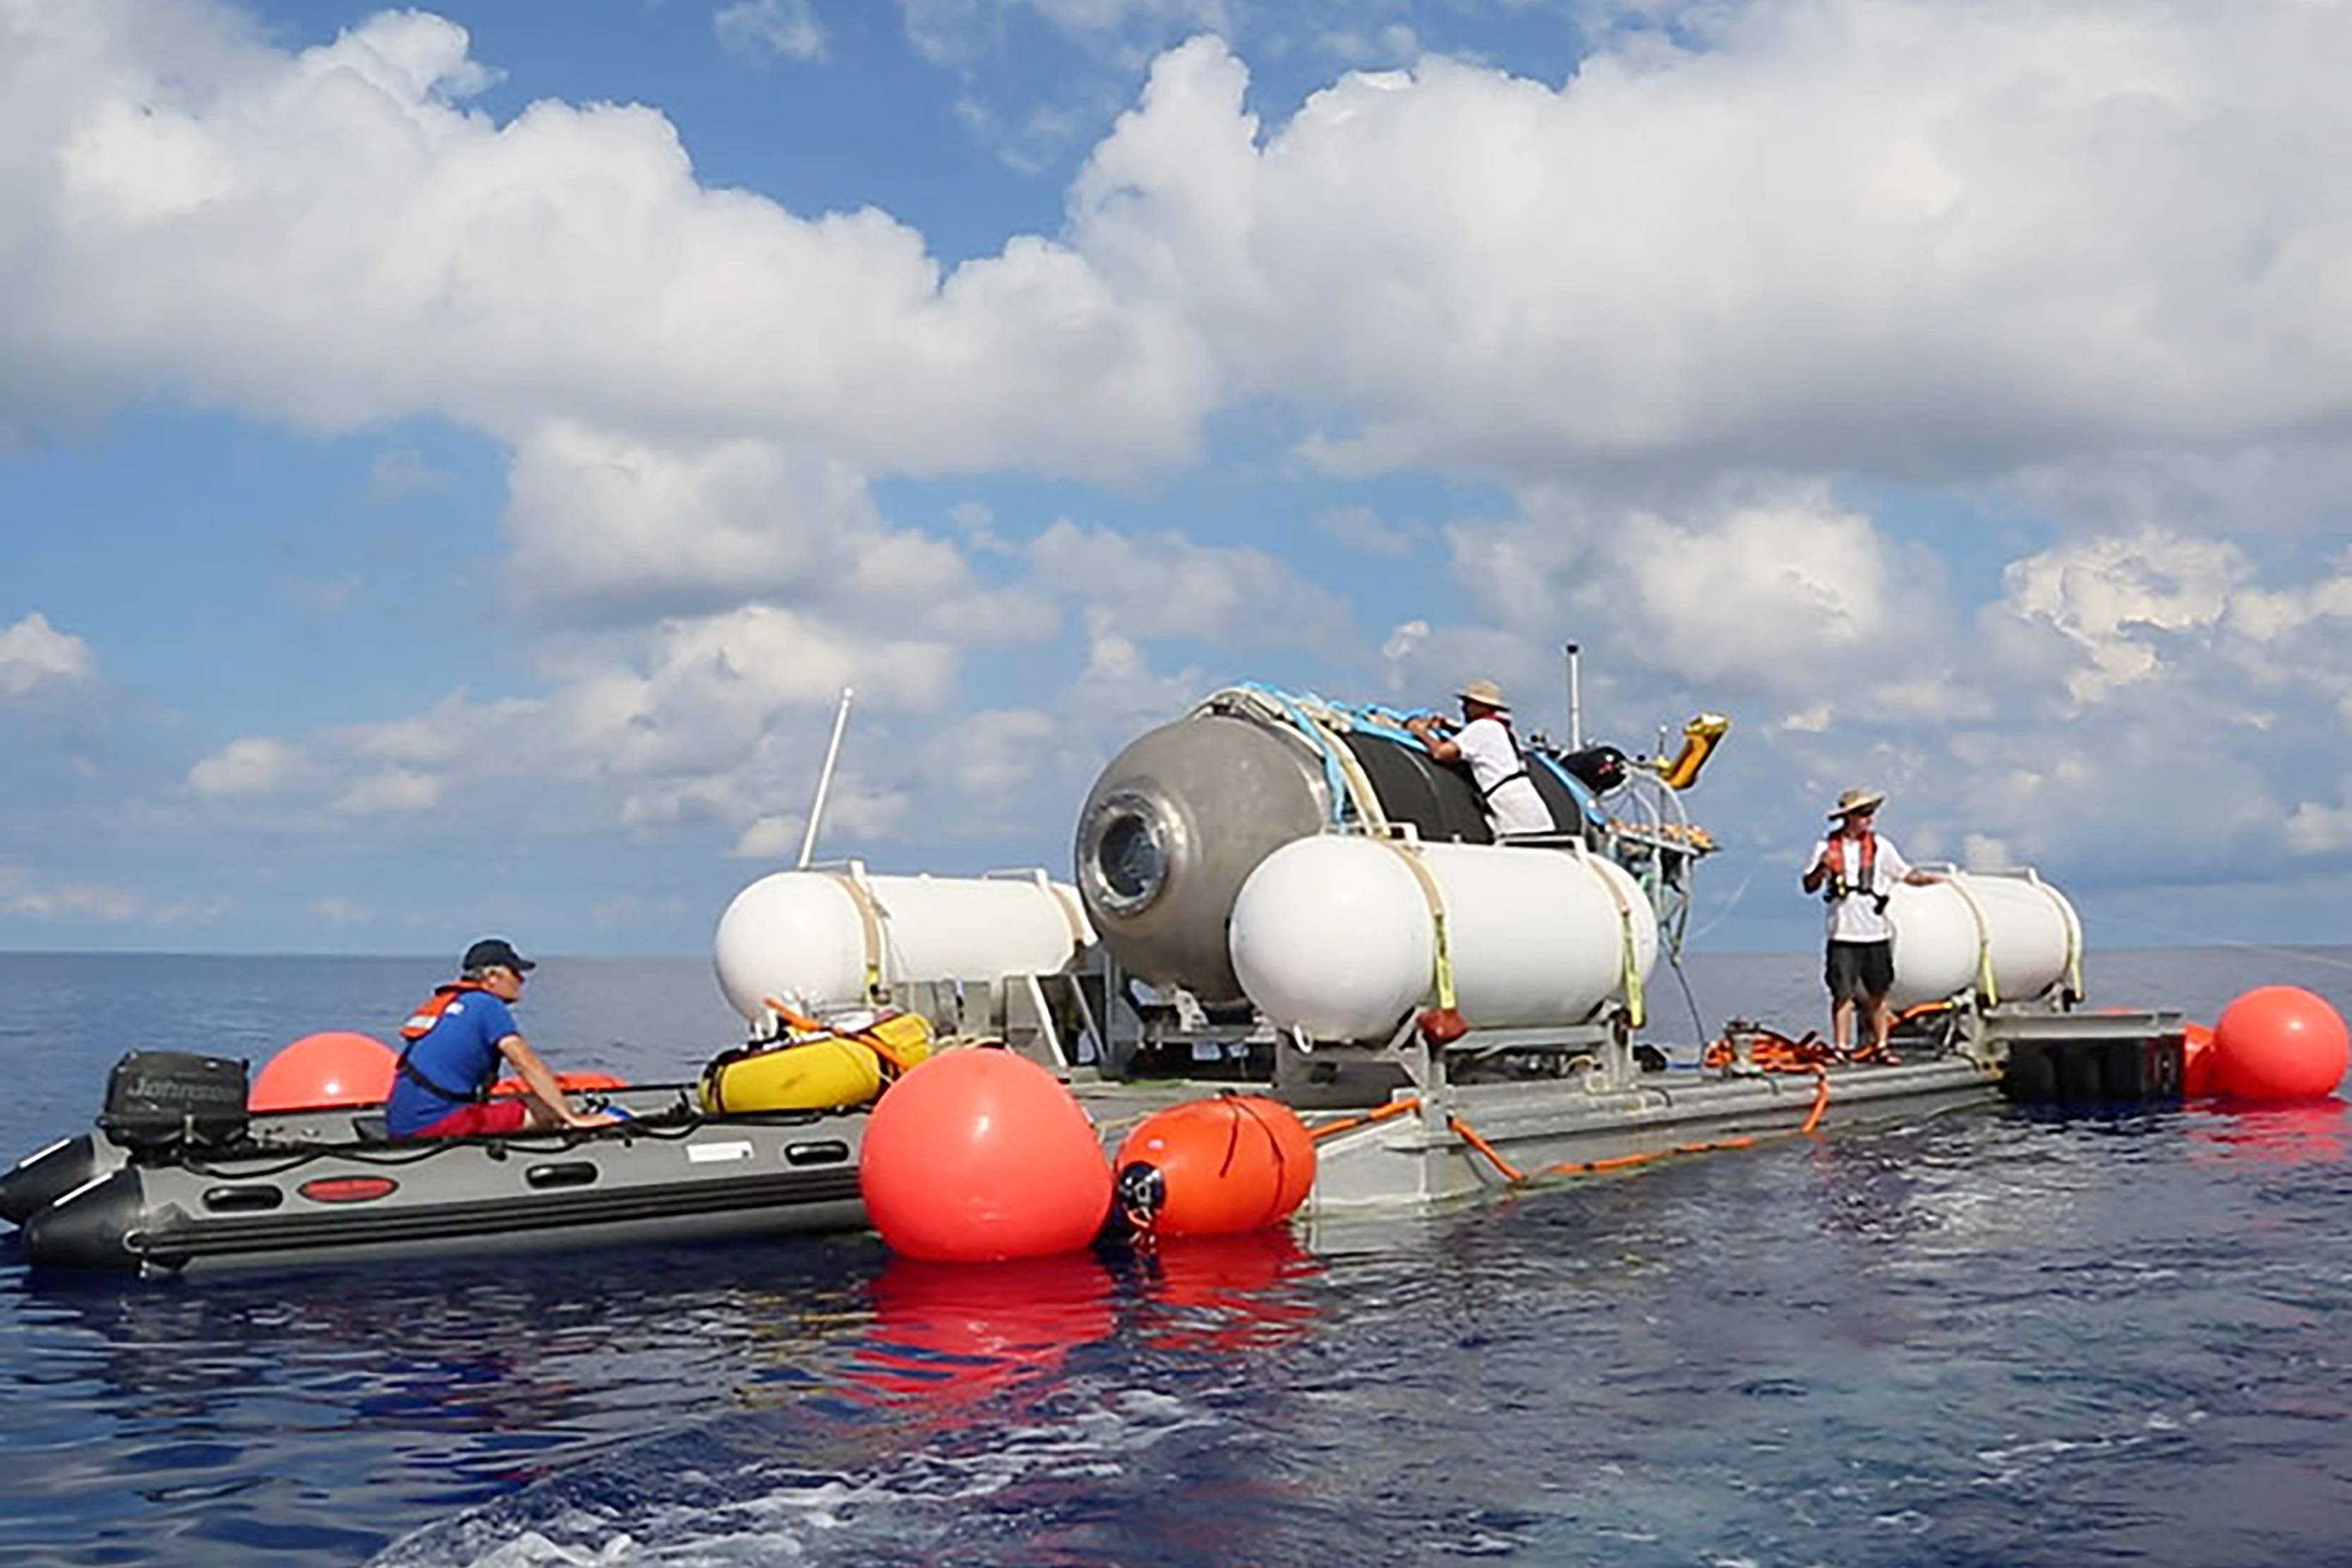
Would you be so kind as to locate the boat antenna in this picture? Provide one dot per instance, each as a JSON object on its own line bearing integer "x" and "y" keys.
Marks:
{"x": 825, "y": 777}
{"x": 1575, "y": 698}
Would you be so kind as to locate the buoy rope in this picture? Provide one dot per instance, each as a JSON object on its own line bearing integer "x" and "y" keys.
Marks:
{"x": 888, "y": 1053}
{"x": 1349, "y": 1123}
{"x": 1281, "y": 1159}
{"x": 1515, "y": 1177}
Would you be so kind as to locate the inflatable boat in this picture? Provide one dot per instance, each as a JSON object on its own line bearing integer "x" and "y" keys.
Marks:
{"x": 177, "y": 1178}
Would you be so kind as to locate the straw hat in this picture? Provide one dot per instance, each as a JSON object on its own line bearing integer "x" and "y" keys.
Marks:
{"x": 1486, "y": 694}
{"x": 1855, "y": 800}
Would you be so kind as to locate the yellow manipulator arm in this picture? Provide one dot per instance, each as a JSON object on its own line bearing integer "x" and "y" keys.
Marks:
{"x": 1700, "y": 737}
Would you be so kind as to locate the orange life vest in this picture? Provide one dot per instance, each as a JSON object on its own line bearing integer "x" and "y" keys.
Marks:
{"x": 420, "y": 1024}
{"x": 429, "y": 1012}
{"x": 1839, "y": 885}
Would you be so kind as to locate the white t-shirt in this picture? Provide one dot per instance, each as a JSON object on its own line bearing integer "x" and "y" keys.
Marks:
{"x": 1855, "y": 917}
{"x": 1501, "y": 774}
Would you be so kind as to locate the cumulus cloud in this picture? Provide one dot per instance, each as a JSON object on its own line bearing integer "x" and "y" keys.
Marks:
{"x": 1680, "y": 314}
{"x": 1771, "y": 591}
{"x": 333, "y": 237}
{"x": 1885, "y": 236}
{"x": 2114, "y": 598}
{"x": 763, "y": 31}
{"x": 23, "y": 891}
{"x": 1163, "y": 584}
{"x": 34, "y": 656}
{"x": 252, "y": 765}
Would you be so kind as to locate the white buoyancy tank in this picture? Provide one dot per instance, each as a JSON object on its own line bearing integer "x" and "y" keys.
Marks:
{"x": 1334, "y": 936}
{"x": 2009, "y": 937}
{"x": 820, "y": 939}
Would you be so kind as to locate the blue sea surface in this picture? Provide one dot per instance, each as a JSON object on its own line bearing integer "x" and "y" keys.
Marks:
{"x": 1994, "y": 1337}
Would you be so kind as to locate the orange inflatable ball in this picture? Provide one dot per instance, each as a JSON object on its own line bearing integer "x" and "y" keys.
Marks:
{"x": 317, "y": 1071}
{"x": 2278, "y": 1042}
{"x": 1215, "y": 1167}
{"x": 2196, "y": 1060}
{"x": 977, "y": 1156}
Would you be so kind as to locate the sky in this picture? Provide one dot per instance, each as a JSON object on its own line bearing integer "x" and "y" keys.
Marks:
{"x": 452, "y": 459}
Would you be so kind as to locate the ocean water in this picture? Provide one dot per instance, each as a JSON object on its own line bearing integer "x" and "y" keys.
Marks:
{"x": 1996, "y": 1337}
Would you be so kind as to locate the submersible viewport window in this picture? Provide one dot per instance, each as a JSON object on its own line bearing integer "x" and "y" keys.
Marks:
{"x": 1128, "y": 865}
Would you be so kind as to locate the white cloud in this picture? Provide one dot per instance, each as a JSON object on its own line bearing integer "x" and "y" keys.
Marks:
{"x": 2107, "y": 596}
{"x": 332, "y": 238}
{"x": 1360, "y": 527}
{"x": 25, "y": 892}
{"x": 35, "y": 656}
{"x": 1162, "y": 584}
{"x": 959, "y": 31}
{"x": 990, "y": 755}
{"x": 762, "y": 31}
{"x": 1769, "y": 590}
{"x": 1893, "y": 236}
{"x": 251, "y": 766}
{"x": 398, "y": 793}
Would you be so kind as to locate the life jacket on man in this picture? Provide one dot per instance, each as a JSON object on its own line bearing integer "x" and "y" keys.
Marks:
{"x": 1865, "y": 882}
{"x": 421, "y": 1023}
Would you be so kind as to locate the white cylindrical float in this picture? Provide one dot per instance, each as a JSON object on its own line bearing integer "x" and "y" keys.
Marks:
{"x": 824, "y": 939}
{"x": 2008, "y": 937}
{"x": 1336, "y": 936}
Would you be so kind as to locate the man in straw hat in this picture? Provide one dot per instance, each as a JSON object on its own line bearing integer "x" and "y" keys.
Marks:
{"x": 1855, "y": 870}
{"x": 1484, "y": 741}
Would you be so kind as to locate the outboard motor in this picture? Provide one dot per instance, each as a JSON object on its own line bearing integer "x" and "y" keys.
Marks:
{"x": 160, "y": 1100}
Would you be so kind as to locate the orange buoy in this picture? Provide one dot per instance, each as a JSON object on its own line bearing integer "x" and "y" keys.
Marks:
{"x": 982, "y": 1155}
{"x": 2196, "y": 1060}
{"x": 569, "y": 1083}
{"x": 1215, "y": 1167}
{"x": 317, "y": 1071}
{"x": 2278, "y": 1042}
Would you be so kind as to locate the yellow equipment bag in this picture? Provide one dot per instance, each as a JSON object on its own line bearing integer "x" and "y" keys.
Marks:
{"x": 838, "y": 1069}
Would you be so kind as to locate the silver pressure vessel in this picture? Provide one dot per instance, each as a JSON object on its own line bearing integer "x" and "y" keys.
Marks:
{"x": 1180, "y": 819}
{"x": 1173, "y": 828}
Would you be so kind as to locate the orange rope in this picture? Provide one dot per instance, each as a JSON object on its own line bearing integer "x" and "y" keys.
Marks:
{"x": 1516, "y": 1177}
{"x": 1469, "y": 1135}
{"x": 1820, "y": 1102}
{"x": 1624, "y": 1162}
{"x": 1346, "y": 1123}
{"x": 889, "y": 1053}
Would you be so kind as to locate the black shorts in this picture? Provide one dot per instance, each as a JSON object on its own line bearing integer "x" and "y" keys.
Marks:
{"x": 1856, "y": 970}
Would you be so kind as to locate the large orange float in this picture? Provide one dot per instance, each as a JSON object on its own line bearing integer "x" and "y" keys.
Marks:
{"x": 1215, "y": 1167}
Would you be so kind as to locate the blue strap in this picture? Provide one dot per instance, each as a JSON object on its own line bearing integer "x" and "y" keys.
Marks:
{"x": 1335, "y": 780}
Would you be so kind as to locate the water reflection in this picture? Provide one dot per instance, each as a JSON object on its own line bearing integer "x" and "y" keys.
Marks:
{"x": 2305, "y": 1134}
{"x": 1225, "y": 1292}
{"x": 949, "y": 1334}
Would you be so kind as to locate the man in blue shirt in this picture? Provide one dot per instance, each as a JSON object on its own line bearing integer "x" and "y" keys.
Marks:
{"x": 456, "y": 1042}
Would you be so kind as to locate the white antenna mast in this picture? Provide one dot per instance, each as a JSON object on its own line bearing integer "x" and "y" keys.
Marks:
{"x": 825, "y": 777}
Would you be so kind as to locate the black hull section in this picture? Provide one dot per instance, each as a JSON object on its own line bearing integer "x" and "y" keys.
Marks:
{"x": 1441, "y": 801}
{"x": 347, "y": 1202}
{"x": 40, "y": 1180}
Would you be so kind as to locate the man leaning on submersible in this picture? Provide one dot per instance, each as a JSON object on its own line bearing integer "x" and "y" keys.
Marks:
{"x": 1484, "y": 741}
{"x": 1856, "y": 870}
